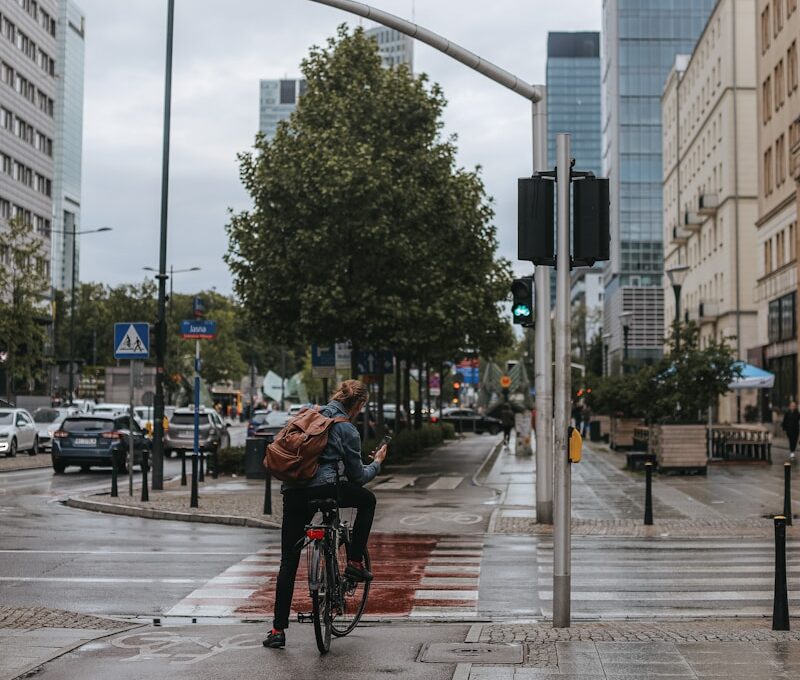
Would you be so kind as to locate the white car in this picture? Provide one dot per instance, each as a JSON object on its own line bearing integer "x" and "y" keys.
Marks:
{"x": 48, "y": 420}
{"x": 111, "y": 409}
{"x": 294, "y": 409}
{"x": 17, "y": 432}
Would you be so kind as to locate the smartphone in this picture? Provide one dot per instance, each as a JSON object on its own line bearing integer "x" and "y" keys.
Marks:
{"x": 386, "y": 439}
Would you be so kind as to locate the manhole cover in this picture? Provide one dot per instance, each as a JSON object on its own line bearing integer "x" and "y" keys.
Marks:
{"x": 461, "y": 652}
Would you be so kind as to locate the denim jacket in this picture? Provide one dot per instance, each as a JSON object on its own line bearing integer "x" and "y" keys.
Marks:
{"x": 343, "y": 452}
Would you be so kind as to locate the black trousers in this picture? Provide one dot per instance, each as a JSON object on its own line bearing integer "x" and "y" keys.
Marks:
{"x": 792, "y": 436}
{"x": 296, "y": 516}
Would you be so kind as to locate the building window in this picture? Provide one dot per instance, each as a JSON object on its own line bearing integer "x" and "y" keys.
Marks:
{"x": 780, "y": 160}
{"x": 781, "y": 320}
{"x": 287, "y": 92}
{"x": 768, "y": 171}
{"x": 792, "y": 246}
{"x": 791, "y": 68}
{"x": 765, "y": 30}
{"x": 766, "y": 100}
{"x": 779, "y": 85}
{"x": 767, "y": 256}
{"x": 779, "y": 250}
{"x": 791, "y": 6}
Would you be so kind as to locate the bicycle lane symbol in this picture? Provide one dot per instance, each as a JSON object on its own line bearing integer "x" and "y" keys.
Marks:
{"x": 463, "y": 518}
{"x": 180, "y": 649}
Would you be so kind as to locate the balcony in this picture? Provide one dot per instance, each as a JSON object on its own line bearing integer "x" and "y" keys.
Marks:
{"x": 692, "y": 220}
{"x": 707, "y": 204}
{"x": 707, "y": 312}
{"x": 680, "y": 235}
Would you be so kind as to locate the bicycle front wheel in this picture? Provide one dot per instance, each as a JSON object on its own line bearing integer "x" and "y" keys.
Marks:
{"x": 319, "y": 583}
{"x": 352, "y": 599}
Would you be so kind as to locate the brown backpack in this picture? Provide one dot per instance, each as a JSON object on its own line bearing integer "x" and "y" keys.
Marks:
{"x": 293, "y": 456}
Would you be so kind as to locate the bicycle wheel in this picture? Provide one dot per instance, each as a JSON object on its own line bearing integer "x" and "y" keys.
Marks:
{"x": 319, "y": 586}
{"x": 352, "y": 598}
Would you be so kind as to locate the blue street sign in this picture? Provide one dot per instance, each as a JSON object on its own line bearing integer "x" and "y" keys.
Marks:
{"x": 373, "y": 363}
{"x": 198, "y": 307}
{"x": 131, "y": 340}
{"x": 323, "y": 356}
{"x": 471, "y": 375}
{"x": 198, "y": 330}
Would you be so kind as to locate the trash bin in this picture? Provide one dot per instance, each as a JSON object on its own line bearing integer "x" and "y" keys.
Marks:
{"x": 594, "y": 430}
{"x": 254, "y": 450}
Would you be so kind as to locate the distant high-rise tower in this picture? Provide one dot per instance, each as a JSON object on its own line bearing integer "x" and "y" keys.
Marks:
{"x": 640, "y": 41}
{"x": 277, "y": 101}
{"x": 394, "y": 47}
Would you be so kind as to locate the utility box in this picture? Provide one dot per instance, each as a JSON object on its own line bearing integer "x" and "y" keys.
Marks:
{"x": 255, "y": 449}
{"x": 591, "y": 236}
{"x": 536, "y": 220}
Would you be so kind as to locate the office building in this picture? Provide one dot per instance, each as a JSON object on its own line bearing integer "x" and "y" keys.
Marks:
{"x": 68, "y": 144}
{"x": 640, "y": 41}
{"x": 395, "y": 48}
{"x": 28, "y": 50}
{"x": 710, "y": 206}
{"x": 278, "y": 98}
{"x": 586, "y": 295}
{"x": 778, "y": 113}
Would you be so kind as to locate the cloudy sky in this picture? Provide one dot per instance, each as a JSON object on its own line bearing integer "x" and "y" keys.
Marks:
{"x": 221, "y": 51}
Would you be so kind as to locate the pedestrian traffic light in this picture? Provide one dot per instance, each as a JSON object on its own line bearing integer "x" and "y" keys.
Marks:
{"x": 522, "y": 303}
{"x": 536, "y": 220}
{"x": 591, "y": 236}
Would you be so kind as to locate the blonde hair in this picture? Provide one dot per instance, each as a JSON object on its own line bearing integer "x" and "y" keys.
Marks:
{"x": 350, "y": 393}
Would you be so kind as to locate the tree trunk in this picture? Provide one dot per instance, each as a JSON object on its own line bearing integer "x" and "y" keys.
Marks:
{"x": 397, "y": 394}
{"x": 380, "y": 428}
{"x": 407, "y": 390}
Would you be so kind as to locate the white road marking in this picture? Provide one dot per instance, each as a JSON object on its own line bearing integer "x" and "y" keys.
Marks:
{"x": 446, "y": 483}
{"x": 96, "y": 579}
{"x": 396, "y": 482}
{"x": 122, "y": 552}
{"x": 446, "y": 595}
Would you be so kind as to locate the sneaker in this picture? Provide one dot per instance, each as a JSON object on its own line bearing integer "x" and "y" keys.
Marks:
{"x": 275, "y": 640}
{"x": 357, "y": 573}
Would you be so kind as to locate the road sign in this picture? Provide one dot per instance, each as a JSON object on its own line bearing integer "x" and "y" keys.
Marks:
{"x": 505, "y": 382}
{"x": 343, "y": 352}
{"x": 198, "y": 307}
{"x": 471, "y": 374}
{"x": 198, "y": 330}
{"x": 323, "y": 361}
{"x": 131, "y": 340}
{"x": 373, "y": 363}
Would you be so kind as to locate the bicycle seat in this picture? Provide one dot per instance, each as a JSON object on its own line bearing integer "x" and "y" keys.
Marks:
{"x": 322, "y": 504}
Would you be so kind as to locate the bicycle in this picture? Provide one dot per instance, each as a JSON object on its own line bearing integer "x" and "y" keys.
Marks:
{"x": 337, "y": 601}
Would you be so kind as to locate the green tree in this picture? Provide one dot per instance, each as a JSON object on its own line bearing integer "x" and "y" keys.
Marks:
{"x": 24, "y": 308}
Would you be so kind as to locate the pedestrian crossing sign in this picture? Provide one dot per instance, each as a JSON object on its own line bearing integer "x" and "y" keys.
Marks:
{"x": 131, "y": 340}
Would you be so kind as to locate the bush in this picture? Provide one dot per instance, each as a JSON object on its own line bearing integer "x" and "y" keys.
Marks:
{"x": 448, "y": 431}
{"x": 231, "y": 461}
{"x": 407, "y": 442}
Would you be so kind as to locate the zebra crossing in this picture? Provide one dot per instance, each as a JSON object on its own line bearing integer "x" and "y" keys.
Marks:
{"x": 670, "y": 578}
{"x": 419, "y": 483}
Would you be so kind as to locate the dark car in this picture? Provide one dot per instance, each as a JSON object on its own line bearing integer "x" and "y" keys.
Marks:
{"x": 88, "y": 440}
{"x": 468, "y": 420}
{"x": 259, "y": 417}
{"x": 273, "y": 423}
{"x": 213, "y": 434}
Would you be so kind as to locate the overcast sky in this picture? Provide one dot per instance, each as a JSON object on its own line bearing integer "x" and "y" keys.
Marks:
{"x": 221, "y": 51}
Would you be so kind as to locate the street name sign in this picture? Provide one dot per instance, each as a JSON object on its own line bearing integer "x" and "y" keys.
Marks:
{"x": 193, "y": 329}
{"x": 132, "y": 340}
{"x": 323, "y": 361}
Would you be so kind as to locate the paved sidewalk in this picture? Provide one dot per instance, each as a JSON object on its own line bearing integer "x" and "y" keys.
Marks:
{"x": 22, "y": 461}
{"x": 32, "y": 636}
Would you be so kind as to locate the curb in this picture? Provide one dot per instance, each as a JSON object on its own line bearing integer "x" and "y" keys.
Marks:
{"x": 150, "y": 513}
{"x": 482, "y": 471}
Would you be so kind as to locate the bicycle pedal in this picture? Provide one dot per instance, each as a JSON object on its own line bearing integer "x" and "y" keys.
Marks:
{"x": 304, "y": 617}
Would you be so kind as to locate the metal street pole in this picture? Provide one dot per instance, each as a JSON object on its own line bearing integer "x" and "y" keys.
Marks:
{"x": 562, "y": 482}
{"x": 161, "y": 335}
{"x": 72, "y": 318}
{"x": 677, "y": 290}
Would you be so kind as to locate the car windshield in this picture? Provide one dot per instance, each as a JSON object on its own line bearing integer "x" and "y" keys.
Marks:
{"x": 46, "y": 415}
{"x": 188, "y": 419}
{"x": 6, "y": 418}
{"x": 87, "y": 425}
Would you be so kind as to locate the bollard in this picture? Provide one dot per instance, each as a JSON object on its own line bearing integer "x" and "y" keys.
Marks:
{"x": 193, "y": 501}
{"x": 114, "y": 491}
{"x": 183, "y": 468}
{"x": 268, "y": 495}
{"x": 648, "y": 494}
{"x": 787, "y": 493}
{"x": 780, "y": 607}
{"x": 144, "y": 465}
{"x": 201, "y": 477}
{"x": 214, "y": 472}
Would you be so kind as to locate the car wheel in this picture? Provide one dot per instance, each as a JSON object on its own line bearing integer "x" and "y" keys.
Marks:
{"x": 12, "y": 452}
{"x": 494, "y": 430}
{"x": 59, "y": 467}
{"x": 35, "y": 448}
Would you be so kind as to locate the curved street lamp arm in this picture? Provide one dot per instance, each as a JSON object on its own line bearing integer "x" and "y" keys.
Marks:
{"x": 487, "y": 68}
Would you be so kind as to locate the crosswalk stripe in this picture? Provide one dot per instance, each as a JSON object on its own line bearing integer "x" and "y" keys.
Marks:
{"x": 671, "y": 596}
{"x": 446, "y": 483}
{"x": 396, "y": 482}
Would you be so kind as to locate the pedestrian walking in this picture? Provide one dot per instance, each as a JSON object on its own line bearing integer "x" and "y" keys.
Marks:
{"x": 587, "y": 419}
{"x": 343, "y": 451}
{"x": 507, "y": 421}
{"x": 791, "y": 426}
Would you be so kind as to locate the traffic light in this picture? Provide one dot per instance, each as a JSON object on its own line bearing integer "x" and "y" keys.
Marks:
{"x": 456, "y": 386}
{"x": 522, "y": 304}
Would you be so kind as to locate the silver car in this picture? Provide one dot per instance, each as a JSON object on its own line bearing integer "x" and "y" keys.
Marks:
{"x": 17, "y": 432}
{"x": 48, "y": 420}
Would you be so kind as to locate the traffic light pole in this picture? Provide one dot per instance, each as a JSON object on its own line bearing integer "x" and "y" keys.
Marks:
{"x": 562, "y": 481}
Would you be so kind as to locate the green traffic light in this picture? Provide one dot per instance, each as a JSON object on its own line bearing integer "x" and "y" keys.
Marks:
{"x": 522, "y": 310}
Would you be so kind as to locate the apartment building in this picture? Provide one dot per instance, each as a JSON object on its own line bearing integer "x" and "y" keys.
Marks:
{"x": 710, "y": 199}
{"x": 777, "y": 38}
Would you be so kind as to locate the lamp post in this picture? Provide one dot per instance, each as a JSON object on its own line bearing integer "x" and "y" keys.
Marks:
{"x": 606, "y": 338}
{"x": 74, "y": 233}
{"x": 625, "y": 318}
{"x": 172, "y": 273}
{"x": 677, "y": 275}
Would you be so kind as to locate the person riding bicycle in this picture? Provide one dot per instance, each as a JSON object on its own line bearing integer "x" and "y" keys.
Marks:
{"x": 343, "y": 452}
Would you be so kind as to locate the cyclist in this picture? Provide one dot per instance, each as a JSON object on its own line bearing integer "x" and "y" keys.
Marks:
{"x": 342, "y": 451}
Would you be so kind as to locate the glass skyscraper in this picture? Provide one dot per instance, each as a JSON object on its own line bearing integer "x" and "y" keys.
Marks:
{"x": 640, "y": 41}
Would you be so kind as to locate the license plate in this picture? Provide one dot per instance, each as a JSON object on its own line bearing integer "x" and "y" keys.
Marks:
{"x": 84, "y": 441}
{"x": 185, "y": 435}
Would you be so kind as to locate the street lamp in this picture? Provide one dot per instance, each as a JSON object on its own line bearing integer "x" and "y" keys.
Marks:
{"x": 606, "y": 338}
{"x": 172, "y": 273}
{"x": 625, "y": 318}
{"x": 677, "y": 275}
{"x": 73, "y": 232}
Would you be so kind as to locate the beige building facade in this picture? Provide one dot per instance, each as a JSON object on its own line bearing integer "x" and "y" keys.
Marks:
{"x": 777, "y": 31}
{"x": 710, "y": 174}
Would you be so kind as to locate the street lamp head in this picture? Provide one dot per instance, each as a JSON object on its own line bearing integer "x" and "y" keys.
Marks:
{"x": 677, "y": 274}
{"x": 102, "y": 229}
{"x": 625, "y": 318}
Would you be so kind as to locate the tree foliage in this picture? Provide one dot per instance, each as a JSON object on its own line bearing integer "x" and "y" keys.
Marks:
{"x": 363, "y": 228}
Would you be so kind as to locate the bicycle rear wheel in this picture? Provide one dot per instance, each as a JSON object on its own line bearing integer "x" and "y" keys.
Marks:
{"x": 352, "y": 598}
{"x": 319, "y": 583}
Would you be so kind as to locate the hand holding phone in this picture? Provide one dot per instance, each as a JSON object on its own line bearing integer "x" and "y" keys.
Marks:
{"x": 380, "y": 453}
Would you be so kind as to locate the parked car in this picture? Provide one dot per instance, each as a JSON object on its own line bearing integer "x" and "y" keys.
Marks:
{"x": 48, "y": 420}
{"x": 468, "y": 420}
{"x": 110, "y": 409}
{"x": 94, "y": 439}
{"x": 259, "y": 416}
{"x": 17, "y": 432}
{"x": 294, "y": 409}
{"x": 179, "y": 436}
{"x": 271, "y": 425}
